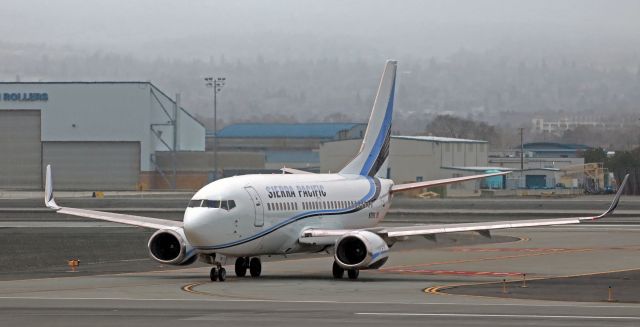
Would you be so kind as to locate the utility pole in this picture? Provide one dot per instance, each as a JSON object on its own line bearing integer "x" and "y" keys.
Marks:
{"x": 521, "y": 153}
{"x": 176, "y": 109}
{"x": 216, "y": 84}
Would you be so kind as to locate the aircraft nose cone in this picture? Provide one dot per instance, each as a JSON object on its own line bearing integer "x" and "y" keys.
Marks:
{"x": 195, "y": 226}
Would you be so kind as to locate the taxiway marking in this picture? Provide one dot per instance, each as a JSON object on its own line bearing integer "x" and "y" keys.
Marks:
{"x": 481, "y": 315}
{"x": 510, "y": 304}
{"x": 454, "y": 272}
{"x": 504, "y": 257}
{"x": 438, "y": 290}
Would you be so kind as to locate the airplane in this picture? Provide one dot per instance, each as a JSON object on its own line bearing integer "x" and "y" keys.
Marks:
{"x": 251, "y": 216}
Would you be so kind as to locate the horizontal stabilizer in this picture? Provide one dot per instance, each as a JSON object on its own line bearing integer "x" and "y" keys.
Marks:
{"x": 438, "y": 182}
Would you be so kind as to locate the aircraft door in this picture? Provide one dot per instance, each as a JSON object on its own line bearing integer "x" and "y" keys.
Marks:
{"x": 258, "y": 207}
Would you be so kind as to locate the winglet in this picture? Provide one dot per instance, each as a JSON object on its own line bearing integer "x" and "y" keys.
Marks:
{"x": 49, "y": 201}
{"x": 616, "y": 198}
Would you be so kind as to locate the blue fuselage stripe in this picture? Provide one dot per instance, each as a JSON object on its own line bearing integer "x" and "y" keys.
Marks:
{"x": 382, "y": 134}
{"x": 368, "y": 197}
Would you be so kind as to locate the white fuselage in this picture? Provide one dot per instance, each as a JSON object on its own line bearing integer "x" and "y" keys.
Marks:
{"x": 266, "y": 214}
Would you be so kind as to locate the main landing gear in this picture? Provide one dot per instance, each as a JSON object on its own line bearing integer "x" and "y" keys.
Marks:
{"x": 242, "y": 264}
{"x": 254, "y": 265}
{"x": 338, "y": 272}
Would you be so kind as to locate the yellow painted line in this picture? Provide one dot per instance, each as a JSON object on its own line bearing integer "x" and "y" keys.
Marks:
{"x": 190, "y": 288}
{"x": 439, "y": 290}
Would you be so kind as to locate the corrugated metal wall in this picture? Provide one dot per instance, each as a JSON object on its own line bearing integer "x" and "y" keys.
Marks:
{"x": 93, "y": 166}
{"x": 20, "y": 149}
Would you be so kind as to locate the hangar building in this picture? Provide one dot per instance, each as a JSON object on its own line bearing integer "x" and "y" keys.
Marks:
{"x": 293, "y": 145}
{"x": 96, "y": 135}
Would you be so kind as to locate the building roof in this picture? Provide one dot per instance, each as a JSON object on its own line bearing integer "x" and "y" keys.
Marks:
{"x": 437, "y": 139}
{"x": 551, "y": 146}
{"x": 153, "y": 87}
{"x": 477, "y": 168}
{"x": 489, "y": 168}
{"x": 282, "y": 130}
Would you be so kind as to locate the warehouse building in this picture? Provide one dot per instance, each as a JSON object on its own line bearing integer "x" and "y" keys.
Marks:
{"x": 293, "y": 145}
{"x": 96, "y": 135}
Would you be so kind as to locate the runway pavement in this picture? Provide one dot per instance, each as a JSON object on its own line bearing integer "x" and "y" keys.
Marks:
{"x": 302, "y": 291}
{"x": 116, "y": 284}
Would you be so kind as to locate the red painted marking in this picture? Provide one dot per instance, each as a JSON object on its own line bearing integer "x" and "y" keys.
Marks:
{"x": 508, "y": 249}
{"x": 453, "y": 272}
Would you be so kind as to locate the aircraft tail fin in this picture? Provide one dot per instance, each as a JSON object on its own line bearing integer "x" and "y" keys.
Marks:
{"x": 375, "y": 145}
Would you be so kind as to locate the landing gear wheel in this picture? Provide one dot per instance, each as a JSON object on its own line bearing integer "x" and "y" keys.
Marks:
{"x": 255, "y": 267}
{"x": 241, "y": 267}
{"x": 353, "y": 273}
{"x": 213, "y": 274}
{"x": 338, "y": 272}
{"x": 222, "y": 274}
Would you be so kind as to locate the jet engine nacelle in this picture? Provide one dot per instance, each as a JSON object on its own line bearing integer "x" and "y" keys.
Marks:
{"x": 170, "y": 247}
{"x": 361, "y": 250}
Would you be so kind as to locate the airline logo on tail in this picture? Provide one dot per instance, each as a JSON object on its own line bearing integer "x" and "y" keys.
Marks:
{"x": 375, "y": 145}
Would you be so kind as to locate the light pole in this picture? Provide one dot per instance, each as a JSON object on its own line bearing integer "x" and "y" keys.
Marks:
{"x": 216, "y": 84}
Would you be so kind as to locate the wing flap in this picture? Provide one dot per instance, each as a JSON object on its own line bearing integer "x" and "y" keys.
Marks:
{"x": 438, "y": 182}
{"x": 471, "y": 227}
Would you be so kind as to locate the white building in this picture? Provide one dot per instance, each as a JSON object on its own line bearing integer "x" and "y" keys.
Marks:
{"x": 541, "y": 126}
{"x": 96, "y": 135}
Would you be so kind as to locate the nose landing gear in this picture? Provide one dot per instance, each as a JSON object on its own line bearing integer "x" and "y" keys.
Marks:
{"x": 218, "y": 274}
{"x": 338, "y": 272}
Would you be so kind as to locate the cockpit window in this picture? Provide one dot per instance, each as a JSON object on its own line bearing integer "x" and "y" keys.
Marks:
{"x": 227, "y": 204}
{"x": 194, "y": 203}
{"x": 214, "y": 204}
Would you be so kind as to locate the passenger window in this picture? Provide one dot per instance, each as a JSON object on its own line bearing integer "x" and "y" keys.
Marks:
{"x": 296, "y": 204}
{"x": 288, "y": 206}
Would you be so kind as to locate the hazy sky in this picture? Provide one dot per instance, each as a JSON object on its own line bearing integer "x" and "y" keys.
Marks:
{"x": 200, "y": 28}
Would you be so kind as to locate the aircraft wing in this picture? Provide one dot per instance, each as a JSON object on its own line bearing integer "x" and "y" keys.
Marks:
{"x": 328, "y": 237}
{"x": 140, "y": 221}
{"x": 438, "y": 182}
